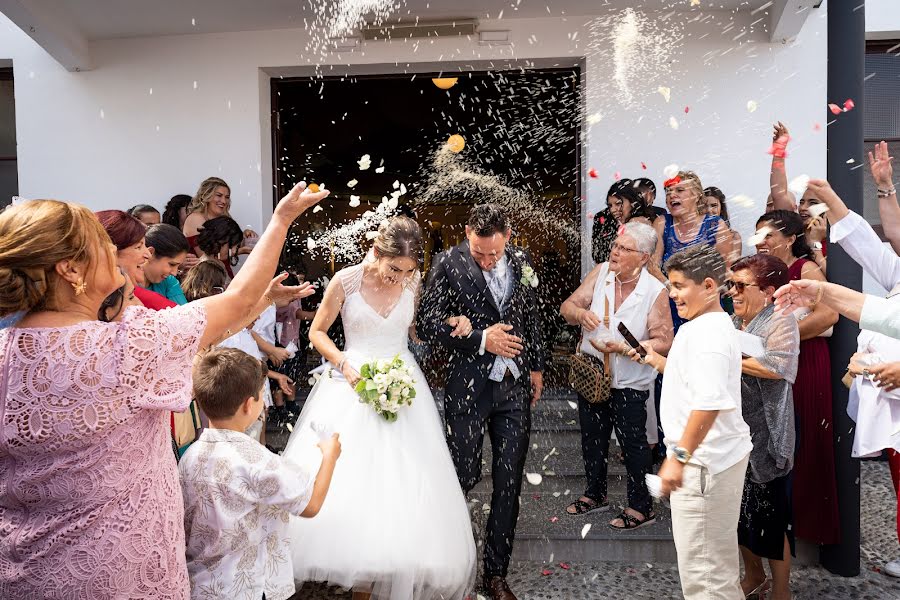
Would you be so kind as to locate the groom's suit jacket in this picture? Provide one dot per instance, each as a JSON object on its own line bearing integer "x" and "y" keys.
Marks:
{"x": 457, "y": 286}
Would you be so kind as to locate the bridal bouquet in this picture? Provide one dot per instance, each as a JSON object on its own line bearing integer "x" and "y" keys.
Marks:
{"x": 386, "y": 386}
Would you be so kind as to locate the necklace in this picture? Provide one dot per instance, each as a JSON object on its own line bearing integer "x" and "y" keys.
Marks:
{"x": 683, "y": 233}
{"x": 620, "y": 282}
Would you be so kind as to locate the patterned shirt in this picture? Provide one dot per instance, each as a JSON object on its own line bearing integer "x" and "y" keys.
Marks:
{"x": 238, "y": 501}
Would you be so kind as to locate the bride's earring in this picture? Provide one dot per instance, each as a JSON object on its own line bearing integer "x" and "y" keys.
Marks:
{"x": 79, "y": 287}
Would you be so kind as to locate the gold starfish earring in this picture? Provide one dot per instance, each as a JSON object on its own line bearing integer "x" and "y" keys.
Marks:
{"x": 79, "y": 287}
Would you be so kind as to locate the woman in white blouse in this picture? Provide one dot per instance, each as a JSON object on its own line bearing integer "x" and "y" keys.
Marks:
{"x": 637, "y": 299}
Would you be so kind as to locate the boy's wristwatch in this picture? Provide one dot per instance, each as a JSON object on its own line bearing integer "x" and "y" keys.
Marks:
{"x": 681, "y": 455}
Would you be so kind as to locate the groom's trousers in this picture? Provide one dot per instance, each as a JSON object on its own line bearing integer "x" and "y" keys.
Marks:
{"x": 503, "y": 410}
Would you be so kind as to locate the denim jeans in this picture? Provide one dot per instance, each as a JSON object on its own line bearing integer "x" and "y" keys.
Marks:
{"x": 626, "y": 412}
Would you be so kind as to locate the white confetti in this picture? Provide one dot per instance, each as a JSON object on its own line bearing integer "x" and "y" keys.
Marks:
{"x": 742, "y": 200}
{"x": 310, "y": 244}
{"x": 534, "y": 479}
{"x": 102, "y": 114}
{"x": 402, "y": 190}
{"x": 352, "y": 183}
{"x": 594, "y": 118}
{"x": 817, "y": 210}
{"x": 573, "y": 404}
{"x": 371, "y": 235}
{"x": 752, "y": 106}
{"x": 671, "y": 171}
{"x": 365, "y": 162}
{"x": 798, "y": 185}
{"x": 673, "y": 123}
{"x": 666, "y": 92}
{"x": 396, "y": 185}
{"x": 289, "y": 427}
{"x": 318, "y": 208}
{"x": 760, "y": 236}
{"x": 556, "y": 494}
{"x": 850, "y": 161}
{"x": 354, "y": 201}
{"x": 585, "y": 529}
{"x": 379, "y": 170}
{"x": 393, "y": 203}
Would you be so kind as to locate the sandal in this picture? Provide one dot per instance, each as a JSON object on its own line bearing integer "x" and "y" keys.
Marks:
{"x": 631, "y": 522}
{"x": 582, "y": 508}
{"x": 761, "y": 591}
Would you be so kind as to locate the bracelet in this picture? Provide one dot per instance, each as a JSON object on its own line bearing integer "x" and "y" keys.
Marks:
{"x": 341, "y": 365}
{"x": 819, "y": 295}
{"x": 886, "y": 193}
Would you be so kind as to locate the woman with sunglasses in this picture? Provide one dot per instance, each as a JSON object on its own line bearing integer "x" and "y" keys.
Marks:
{"x": 624, "y": 290}
{"x": 782, "y": 234}
{"x": 767, "y": 405}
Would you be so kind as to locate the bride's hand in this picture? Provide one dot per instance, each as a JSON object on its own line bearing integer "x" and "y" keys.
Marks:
{"x": 351, "y": 375}
{"x": 462, "y": 326}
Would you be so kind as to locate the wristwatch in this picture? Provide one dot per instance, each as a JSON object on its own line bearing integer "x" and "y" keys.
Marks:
{"x": 681, "y": 455}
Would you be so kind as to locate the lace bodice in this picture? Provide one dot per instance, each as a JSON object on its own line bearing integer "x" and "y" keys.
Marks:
{"x": 90, "y": 504}
{"x": 370, "y": 334}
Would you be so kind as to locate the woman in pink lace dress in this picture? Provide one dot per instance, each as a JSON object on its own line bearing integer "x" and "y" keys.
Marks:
{"x": 90, "y": 504}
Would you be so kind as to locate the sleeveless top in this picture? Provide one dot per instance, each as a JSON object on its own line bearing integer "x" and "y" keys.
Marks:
{"x": 370, "y": 334}
{"x": 706, "y": 235}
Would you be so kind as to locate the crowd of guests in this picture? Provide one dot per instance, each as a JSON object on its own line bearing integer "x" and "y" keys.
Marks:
{"x": 729, "y": 389}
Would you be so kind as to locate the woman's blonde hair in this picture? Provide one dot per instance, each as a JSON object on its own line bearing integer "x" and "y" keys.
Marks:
{"x": 692, "y": 180}
{"x": 201, "y": 280}
{"x": 34, "y": 237}
{"x": 205, "y": 193}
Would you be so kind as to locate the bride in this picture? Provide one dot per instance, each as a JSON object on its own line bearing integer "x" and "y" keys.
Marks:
{"x": 395, "y": 524}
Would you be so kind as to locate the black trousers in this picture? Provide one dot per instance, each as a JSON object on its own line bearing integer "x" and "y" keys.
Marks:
{"x": 504, "y": 411}
{"x": 626, "y": 412}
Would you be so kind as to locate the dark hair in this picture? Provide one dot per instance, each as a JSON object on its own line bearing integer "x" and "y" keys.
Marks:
{"x": 174, "y": 206}
{"x": 487, "y": 219}
{"x": 114, "y": 301}
{"x": 399, "y": 236}
{"x": 166, "y": 240}
{"x": 720, "y": 196}
{"x": 203, "y": 279}
{"x": 138, "y": 209}
{"x": 617, "y": 186}
{"x": 643, "y": 183}
{"x": 697, "y": 263}
{"x": 224, "y": 378}
{"x": 123, "y": 229}
{"x": 639, "y": 207}
{"x": 219, "y": 232}
{"x": 789, "y": 223}
{"x": 768, "y": 270}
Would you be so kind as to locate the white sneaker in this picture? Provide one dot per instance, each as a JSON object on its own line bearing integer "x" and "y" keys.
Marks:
{"x": 892, "y": 568}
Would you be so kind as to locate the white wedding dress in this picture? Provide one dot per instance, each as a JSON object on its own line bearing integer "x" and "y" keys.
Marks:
{"x": 395, "y": 519}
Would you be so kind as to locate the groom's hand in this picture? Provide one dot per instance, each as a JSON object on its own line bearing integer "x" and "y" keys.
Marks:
{"x": 462, "y": 326}
{"x": 537, "y": 387}
{"x": 501, "y": 343}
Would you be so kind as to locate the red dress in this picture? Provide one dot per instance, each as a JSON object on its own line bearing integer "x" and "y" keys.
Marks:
{"x": 814, "y": 486}
{"x": 151, "y": 299}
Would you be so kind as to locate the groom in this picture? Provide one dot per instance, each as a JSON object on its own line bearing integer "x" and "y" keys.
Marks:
{"x": 495, "y": 371}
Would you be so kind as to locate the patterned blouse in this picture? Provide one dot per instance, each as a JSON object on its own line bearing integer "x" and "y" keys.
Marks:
{"x": 90, "y": 506}
{"x": 238, "y": 499}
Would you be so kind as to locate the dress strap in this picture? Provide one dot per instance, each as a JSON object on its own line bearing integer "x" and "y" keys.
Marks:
{"x": 350, "y": 278}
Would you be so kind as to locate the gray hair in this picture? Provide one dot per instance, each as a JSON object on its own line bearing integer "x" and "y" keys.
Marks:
{"x": 644, "y": 236}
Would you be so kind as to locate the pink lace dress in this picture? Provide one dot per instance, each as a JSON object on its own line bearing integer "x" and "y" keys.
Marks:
{"x": 90, "y": 503}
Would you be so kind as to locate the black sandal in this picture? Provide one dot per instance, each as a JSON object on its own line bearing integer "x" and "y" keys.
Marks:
{"x": 583, "y": 508}
{"x": 632, "y": 522}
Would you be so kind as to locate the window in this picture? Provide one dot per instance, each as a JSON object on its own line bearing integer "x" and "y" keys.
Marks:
{"x": 881, "y": 120}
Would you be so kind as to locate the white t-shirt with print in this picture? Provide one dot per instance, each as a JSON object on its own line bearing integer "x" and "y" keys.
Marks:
{"x": 703, "y": 372}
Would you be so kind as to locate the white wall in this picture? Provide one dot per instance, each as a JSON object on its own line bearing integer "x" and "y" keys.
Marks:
{"x": 101, "y": 138}
{"x": 882, "y": 19}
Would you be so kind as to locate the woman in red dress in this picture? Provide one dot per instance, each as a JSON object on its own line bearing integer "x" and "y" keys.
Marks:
{"x": 781, "y": 233}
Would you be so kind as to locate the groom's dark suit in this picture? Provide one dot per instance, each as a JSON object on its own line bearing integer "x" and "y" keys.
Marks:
{"x": 472, "y": 402}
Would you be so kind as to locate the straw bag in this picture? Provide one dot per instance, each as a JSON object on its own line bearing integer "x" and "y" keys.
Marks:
{"x": 588, "y": 375}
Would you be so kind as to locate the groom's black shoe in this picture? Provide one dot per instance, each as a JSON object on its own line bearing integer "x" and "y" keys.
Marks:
{"x": 497, "y": 588}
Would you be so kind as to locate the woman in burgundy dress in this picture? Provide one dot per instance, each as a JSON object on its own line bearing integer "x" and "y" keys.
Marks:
{"x": 782, "y": 234}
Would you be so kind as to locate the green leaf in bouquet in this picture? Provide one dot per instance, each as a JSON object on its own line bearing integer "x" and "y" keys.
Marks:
{"x": 365, "y": 371}
{"x": 360, "y": 386}
{"x": 371, "y": 385}
{"x": 412, "y": 393}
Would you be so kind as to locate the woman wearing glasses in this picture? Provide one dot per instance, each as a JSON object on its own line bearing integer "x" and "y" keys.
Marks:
{"x": 781, "y": 233}
{"x": 767, "y": 405}
{"x": 624, "y": 290}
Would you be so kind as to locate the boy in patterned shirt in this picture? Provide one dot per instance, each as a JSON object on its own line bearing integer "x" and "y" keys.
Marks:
{"x": 238, "y": 496}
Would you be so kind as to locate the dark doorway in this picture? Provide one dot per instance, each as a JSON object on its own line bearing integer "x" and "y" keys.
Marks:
{"x": 9, "y": 179}
{"x": 521, "y": 130}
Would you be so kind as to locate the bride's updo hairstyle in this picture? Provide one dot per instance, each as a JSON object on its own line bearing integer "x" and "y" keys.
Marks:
{"x": 399, "y": 237}
{"x": 34, "y": 237}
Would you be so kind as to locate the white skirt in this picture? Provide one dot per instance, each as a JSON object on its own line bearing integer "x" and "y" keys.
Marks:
{"x": 395, "y": 521}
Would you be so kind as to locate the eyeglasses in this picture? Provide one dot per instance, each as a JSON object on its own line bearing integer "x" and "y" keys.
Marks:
{"x": 621, "y": 248}
{"x": 738, "y": 286}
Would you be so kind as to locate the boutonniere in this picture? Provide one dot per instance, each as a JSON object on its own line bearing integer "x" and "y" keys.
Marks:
{"x": 529, "y": 277}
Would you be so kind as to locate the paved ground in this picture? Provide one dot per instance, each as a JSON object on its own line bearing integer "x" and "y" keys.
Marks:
{"x": 660, "y": 581}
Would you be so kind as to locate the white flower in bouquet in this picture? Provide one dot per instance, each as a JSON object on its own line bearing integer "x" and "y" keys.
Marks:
{"x": 387, "y": 386}
{"x": 529, "y": 277}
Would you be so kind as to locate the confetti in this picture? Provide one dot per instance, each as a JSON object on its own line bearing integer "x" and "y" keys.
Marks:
{"x": 671, "y": 171}
{"x": 354, "y": 201}
{"x": 534, "y": 478}
{"x": 310, "y": 244}
{"x": 379, "y": 170}
{"x": 318, "y": 208}
{"x": 817, "y": 127}
{"x": 546, "y": 572}
{"x": 687, "y": 109}
{"x": 593, "y": 173}
{"x": 289, "y": 427}
{"x": 352, "y": 183}
{"x": 759, "y": 237}
{"x": 817, "y": 210}
{"x": 585, "y": 529}
{"x": 850, "y": 161}
{"x": 565, "y": 566}
{"x": 371, "y": 235}
{"x": 695, "y": 2}
{"x": 643, "y": 166}
{"x": 572, "y": 404}
{"x": 590, "y": 216}
{"x": 835, "y": 109}
{"x": 849, "y": 104}
{"x": 743, "y": 201}
{"x": 666, "y": 92}
{"x": 673, "y": 123}
{"x": 798, "y": 185}
{"x": 396, "y": 184}
{"x": 554, "y": 519}
{"x": 752, "y": 106}
{"x": 365, "y": 162}
{"x": 617, "y": 176}
{"x": 594, "y": 118}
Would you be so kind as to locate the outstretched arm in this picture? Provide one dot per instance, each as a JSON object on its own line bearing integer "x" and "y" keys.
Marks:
{"x": 781, "y": 197}
{"x": 436, "y": 308}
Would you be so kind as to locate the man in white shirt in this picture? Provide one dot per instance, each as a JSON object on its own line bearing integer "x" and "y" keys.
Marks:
{"x": 708, "y": 440}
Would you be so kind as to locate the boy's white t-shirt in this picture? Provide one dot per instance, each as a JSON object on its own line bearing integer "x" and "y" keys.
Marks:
{"x": 703, "y": 372}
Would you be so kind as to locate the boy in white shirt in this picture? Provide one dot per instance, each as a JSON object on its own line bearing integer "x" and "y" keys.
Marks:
{"x": 708, "y": 440}
{"x": 238, "y": 496}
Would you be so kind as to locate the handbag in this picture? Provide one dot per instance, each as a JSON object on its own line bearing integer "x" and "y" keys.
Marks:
{"x": 589, "y": 376}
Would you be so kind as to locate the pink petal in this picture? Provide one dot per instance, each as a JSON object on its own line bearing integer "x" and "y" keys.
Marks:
{"x": 849, "y": 104}
{"x": 593, "y": 173}
{"x": 835, "y": 109}
{"x": 546, "y": 572}
{"x": 643, "y": 166}
{"x": 687, "y": 109}
{"x": 564, "y": 565}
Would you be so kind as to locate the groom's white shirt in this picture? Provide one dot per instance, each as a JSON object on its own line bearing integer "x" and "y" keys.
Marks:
{"x": 500, "y": 270}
